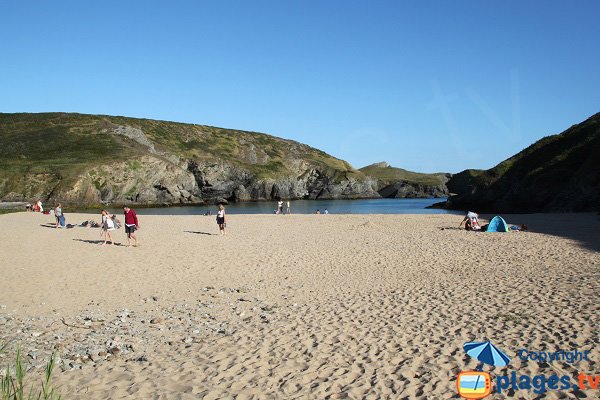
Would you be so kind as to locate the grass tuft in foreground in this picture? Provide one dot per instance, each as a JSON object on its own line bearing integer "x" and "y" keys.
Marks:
{"x": 12, "y": 386}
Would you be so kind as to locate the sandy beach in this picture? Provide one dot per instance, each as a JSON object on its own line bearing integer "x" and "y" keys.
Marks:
{"x": 296, "y": 306}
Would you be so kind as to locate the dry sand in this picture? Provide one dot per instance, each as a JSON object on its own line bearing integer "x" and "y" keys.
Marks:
{"x": 298, "y": 307}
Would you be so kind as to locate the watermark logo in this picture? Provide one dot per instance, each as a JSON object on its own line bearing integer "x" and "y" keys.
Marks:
{"x": 478, "y": 384}
{"x": 474, "y": 384}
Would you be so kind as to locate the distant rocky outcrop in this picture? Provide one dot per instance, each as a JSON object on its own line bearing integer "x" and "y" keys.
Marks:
{"x": 399, "y": 183}
{"x": 557, "y": 173}
{"x": 93, "y": 159}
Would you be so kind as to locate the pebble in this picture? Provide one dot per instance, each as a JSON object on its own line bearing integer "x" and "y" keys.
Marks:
{"x": 116, "y": 336}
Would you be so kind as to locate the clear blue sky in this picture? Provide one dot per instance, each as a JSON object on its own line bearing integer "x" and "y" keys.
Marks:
{"x": 425, "y": 85}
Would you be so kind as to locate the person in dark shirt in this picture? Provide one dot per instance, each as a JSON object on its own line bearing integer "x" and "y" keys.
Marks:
{"x": 131, "y": 225}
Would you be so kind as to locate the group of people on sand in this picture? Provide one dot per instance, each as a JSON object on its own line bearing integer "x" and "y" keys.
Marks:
{"x": 471, "y": 222}
{"x": 110, "y": 223}
{"x": 56, "y": 212}
{"x": 279, "y": 209}
{"x": 36, "y": 207}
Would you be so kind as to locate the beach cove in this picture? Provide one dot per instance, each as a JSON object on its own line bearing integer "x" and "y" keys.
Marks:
{"x": 295, "y": 306}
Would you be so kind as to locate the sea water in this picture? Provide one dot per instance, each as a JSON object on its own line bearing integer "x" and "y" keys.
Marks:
{"x": 362, "y": 206}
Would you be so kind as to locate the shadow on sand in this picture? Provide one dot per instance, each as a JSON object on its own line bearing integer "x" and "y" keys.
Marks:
{"x": 97, "y": 242}
{"x": 48, "y": 226}
{"x": 68, "y": 226}
{"x": 580, "y": 227}
{"x": 201, "y": 233}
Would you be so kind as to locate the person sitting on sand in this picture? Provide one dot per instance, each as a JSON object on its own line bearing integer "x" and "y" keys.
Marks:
{"x": 37, "y": 207}
{"x": 471, "y": 222}
{"x": 107, "y": 227}
{"x": 318, "y": 211}
{"x": 522, "y": 227}
{"x": 131, "y": 225}
{"x": 221, "y": 219}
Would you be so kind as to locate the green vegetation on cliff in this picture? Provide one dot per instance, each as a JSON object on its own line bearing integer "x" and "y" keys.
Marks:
{"x": 557, "y": 173}
{"x": 48, "y": 155}
{"x": 388, "y": 174}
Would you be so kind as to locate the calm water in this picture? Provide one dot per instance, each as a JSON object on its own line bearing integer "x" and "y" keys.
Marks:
{"x": 365, "y": 206}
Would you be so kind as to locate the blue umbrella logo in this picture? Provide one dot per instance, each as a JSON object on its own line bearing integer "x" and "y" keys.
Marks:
{"x": 486, "y": 353}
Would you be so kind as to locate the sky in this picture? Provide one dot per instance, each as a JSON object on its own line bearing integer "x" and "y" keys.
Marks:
{"x": 429, "y": 86}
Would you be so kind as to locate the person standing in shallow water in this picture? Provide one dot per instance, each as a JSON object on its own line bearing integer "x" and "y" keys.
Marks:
{"x": 221, "y": 219}
{"x": 131, "y": 225}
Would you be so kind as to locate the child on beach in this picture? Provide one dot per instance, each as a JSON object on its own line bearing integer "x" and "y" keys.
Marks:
{"x": 221, "y": 219}
{"x": 107, "y": 227}
{"x": 131, "y": 225}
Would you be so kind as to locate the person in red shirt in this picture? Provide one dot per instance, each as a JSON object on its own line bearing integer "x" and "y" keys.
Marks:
{"x": 131, "y": 225}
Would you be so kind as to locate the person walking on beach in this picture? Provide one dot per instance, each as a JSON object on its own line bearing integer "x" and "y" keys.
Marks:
{"x": 107, "y": 227}
{"x": 38, "y": 206}
{"x": 221, "y": 219}
{"x": 131, "y": 225}
{"x": 280, "y": 207}
{"x": 60, "y": 218}
{"x": 288, "y": 208}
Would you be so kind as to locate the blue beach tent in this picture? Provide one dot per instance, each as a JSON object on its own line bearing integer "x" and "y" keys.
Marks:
{"x": 497, "y": 224}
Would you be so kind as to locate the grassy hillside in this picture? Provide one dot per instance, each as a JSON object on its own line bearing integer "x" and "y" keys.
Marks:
{"x": 388, "y": 174}
{"x": 558, "y": 172}
{"x": 47, "y": 151}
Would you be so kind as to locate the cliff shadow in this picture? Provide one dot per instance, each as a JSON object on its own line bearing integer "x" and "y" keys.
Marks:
{"x": 583, "y": 228}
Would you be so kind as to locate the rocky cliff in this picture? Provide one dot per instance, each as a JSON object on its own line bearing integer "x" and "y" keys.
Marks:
{"x": 557, "y": 173}
{"x": 395, "y": 182}
{"x": 92, "y": 159}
